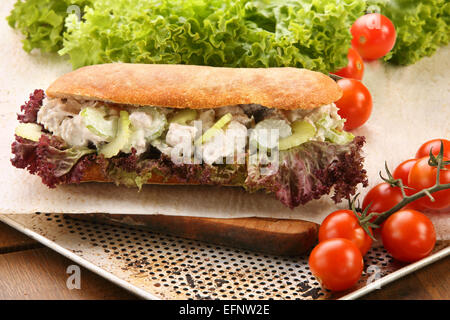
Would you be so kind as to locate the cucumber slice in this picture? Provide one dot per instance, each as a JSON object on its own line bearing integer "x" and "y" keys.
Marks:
{"x": 211, "y": 132}
{"x": 302, "y": 131}
{"x": 120, "y": 140}
{"x": 30, "y": 131}
{"x": 265, "y": 139}
{"x": 95, "y": 121}
{"x": 184, "y": 116}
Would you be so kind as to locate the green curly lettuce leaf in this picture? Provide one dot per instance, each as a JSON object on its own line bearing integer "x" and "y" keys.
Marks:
{"x": 239, "y": 33}
{"x": 422, "y": 27}
{"x": 313, "y": 34}
{"x": 42, "y": 22}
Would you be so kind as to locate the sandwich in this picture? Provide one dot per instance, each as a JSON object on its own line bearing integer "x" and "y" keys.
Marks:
{"x": 273, "y": 130}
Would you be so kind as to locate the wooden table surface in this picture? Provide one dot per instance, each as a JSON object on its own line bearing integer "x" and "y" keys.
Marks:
{"x": 28, "y": 270}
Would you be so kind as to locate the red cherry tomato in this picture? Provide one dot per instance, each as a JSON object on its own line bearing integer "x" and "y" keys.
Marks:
{"x": 337, "y": 263}
{"x": 423, "y": 176}
{"x": 424, "y": 150}
{"x": 354, "y": 68}
{"x": 344, "y": 224}
{"x": 402, "y": 172}
{"x": 408, "y": 235}
{"x": 373, "y": 36}
{"x": 381, "y": 198}
{"x": 356, "y": 103}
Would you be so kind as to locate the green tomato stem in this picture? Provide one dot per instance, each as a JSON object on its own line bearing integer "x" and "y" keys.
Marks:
{"x": 406, "y": 200}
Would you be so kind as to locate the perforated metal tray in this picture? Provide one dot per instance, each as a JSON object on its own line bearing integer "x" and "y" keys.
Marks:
{"x": 156, "y": 266}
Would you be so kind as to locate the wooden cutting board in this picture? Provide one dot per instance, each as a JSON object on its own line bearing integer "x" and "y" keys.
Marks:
{"x": 266, "y": 235}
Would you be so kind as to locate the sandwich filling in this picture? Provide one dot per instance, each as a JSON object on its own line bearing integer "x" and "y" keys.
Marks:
{"x": 60, "y": 139}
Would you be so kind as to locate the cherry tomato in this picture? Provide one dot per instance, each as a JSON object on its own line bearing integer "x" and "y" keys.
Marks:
{"x": 356, "y": 103}
{"x": 382, "y": 197}
{"x": 424, "y": 150}
{"x": 408, "y": 235}
{"x": 354, "y": 68}
{"x": 344, "y": 224}
{"x": 423, "y": 176}
{"x": 402, "y": 172}
{"x": 337, "y": 263}
{"x": 373, "y": 36}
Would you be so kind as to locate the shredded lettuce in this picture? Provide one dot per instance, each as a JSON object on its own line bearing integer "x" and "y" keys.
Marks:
{"x": 422, "y": 27}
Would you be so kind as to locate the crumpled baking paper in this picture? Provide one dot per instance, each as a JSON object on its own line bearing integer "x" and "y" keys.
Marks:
{"x": 411, "y": 106}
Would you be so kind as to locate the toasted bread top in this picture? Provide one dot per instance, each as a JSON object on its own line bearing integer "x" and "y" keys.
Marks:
{"x": 197, "y": 87}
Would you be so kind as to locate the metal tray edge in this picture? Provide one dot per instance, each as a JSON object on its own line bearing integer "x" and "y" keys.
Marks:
{"x": 397, "y": 274}
{"x": 377, "y": 284}
{"x": 86, "y": 264}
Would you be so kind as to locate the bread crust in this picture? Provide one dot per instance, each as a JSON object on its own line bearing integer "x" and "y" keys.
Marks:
{"x": 197, "y": 87}
{"x": 94, "y": 173}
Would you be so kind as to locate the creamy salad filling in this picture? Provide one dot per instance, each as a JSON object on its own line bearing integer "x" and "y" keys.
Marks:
{"x": 297, "y": 155}
{"x": 112, "y": 129}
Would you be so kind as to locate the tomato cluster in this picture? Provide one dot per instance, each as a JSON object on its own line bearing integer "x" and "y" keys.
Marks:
{"x": 345, "y": 236}
{"x": 373, "y": 37}
{"x": 408, "y": 235}
{"x": 416, "y": 174}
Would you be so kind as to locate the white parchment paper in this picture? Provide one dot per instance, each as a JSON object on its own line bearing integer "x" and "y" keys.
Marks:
{"x": 411, "y": 105}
